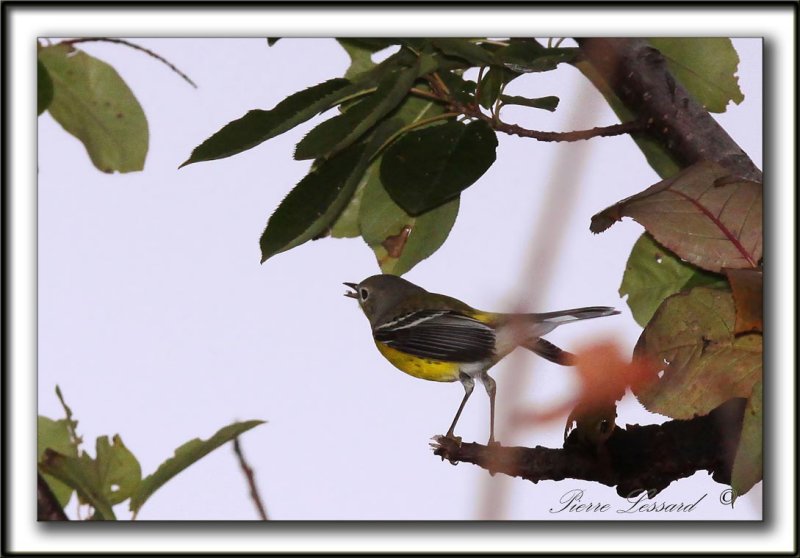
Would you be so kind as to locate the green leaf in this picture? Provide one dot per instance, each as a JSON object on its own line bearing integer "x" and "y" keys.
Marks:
{"x": 310, "y": 208}
{"x": 429, "y": 63}
{"x": 93, "y": 103}
{"x": 748, "y": 463}
{"x": 339, "y": 132}
{"x": 428, "y": 167}
{"x": 258, "y": 126}
{"x": 346, "y": 225}
{"x": 546, "y": 103}
{"x": 703, "y": 214}
{"x": 360, "y": 57}
{"x": 527, "y": 55}
{"x": 185, "y": 456}
{"x": 702, "y": 363}
{"x": 72, "y": 424}
{"x": 653, "y": 273}
{"x": 464, "y": 49}
{"x": 118, "y": 469}
{"x": 54, "y": 434}
{"x": 44, "y": 87}
{"x": 108, "y": 479}
{"x": 321, "y": 196}
{"x": 397, "y": 62}
{"x": 705, "y": 66}
{"x": 411, "y": 110}
{"x": 79, "y": 473}
{"x": 657, "y": 156}
{"x": 462, "y": 90}
{"x": 492, "y": 83}
{"x": 399, "y": 240}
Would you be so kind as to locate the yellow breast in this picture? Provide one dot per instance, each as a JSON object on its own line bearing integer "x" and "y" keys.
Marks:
{"x": 427, "y": 369}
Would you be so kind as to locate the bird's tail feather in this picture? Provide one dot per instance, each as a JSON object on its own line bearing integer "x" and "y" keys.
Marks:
{"x": 546, "y": 349}
{"x": 541, "y": 324}
{"x": 575, "y": 314}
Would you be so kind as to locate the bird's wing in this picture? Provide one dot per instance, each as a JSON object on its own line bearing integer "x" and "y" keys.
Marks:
{"x": 438, "y": 334}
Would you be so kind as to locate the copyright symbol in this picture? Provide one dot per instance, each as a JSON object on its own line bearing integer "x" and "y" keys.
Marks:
{"x": 727, "y": 497}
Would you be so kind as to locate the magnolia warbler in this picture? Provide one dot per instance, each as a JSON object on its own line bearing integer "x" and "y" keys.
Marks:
{"x": 439, "y": 338}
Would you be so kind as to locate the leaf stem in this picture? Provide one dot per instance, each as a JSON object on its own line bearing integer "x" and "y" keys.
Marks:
{"x": 135, "y": 47}
{"x": 356, "y": 95}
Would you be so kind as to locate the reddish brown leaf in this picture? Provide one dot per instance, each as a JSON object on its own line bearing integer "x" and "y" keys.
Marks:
{"x": 748, "y": 297}
{"x": 704, "y": 215}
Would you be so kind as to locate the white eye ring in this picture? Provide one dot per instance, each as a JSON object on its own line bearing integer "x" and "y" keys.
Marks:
{"x": 363, "y": 293}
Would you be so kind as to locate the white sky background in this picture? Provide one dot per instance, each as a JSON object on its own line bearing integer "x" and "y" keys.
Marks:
{"x": 159, "y": 324}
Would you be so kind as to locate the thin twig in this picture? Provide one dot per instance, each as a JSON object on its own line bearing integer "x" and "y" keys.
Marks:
{"x": 576, "y": 135}
{"x": 251, "y": 480}
{"x": 474, "y": 111}
{"x": 135, "y": 47}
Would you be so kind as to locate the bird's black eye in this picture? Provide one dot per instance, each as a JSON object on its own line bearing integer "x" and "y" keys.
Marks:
{"x": 364, "y": 293}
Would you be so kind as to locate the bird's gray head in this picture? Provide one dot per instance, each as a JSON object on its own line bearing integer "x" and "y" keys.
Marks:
{"x": 379, "y": 295}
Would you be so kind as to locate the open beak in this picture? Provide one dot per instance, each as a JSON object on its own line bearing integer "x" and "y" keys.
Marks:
{"x": 352, "y": 286}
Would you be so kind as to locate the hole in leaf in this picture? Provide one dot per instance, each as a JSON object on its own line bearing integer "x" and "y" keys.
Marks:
{"x": 659, "y": 258}
{"x": 660, "y": 373}
{"x": 114, "y": 488}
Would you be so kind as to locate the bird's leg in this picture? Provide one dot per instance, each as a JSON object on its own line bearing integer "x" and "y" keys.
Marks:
{"x": 491, "y": 389}
{"x": 468, "y": 384}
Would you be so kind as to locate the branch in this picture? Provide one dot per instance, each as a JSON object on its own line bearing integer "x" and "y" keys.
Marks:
{"x": 134, "y": 46}
{"x": 576, "y": 135}
{"x": 47, "y": 506}
{"x": 636, "y": 458}
{"x": 474, "y": 111}
{"x": 251, "y": 479}
{"x": 637, "y": 73}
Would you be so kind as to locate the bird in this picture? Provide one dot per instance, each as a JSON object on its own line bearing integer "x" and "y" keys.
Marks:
{"x": 439, "y": 338}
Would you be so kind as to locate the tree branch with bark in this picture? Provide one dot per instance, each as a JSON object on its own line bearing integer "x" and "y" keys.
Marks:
{"x": 633, "y": 459}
